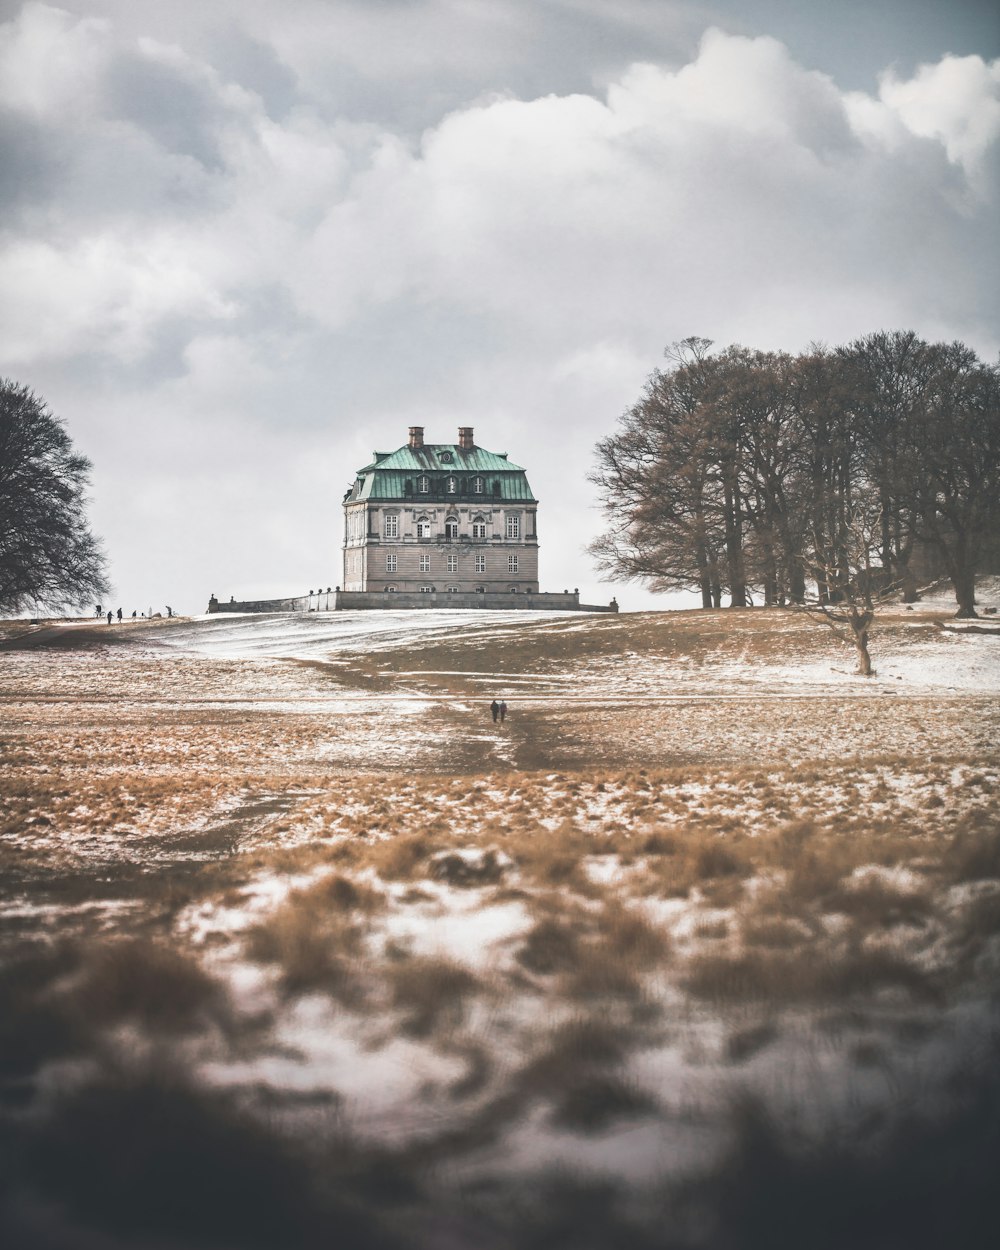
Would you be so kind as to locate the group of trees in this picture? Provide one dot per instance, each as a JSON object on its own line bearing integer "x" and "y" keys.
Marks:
{"x": 764, "y": 475}
{"x": 49, "y": 558}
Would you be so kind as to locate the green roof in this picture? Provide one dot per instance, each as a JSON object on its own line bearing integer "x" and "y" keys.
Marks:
{"x": 393, "y": 475}
{"x": 442, "y": 458}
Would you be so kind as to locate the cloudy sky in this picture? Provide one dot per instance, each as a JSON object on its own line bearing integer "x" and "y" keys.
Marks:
{"x": 245, "y": 242}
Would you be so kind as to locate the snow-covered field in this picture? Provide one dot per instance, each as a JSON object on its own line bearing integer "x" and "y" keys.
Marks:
{"x": 708, "y": 919}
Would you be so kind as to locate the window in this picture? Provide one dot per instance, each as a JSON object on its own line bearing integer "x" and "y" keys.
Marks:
{"x": 513, "y": 590}
{"x": 480, "y": 590}
{"x": 451, "y": 486}
{"x": 451, "y": 527}
{"x": 513, "y": 525}
{"x": 426, "y": 590}
{"x": 453, "y": 564}
{"x": 478, "y": 485}
{"x": 512, "y": 564}
{"x": 478, "y": 527}
{"x": 423, "y": 484}
{"x": 452, "y": 590}
{"x": 423, "y": 528}
{"x": 480, "y": 564}
{"x": 391, "y": 590}
{"x": 390, "y": 562}
{"x": 391, "y": 525}
{"x": 425, "y": 564}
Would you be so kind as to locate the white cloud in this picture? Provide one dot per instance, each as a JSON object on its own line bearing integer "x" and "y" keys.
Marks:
{"x": 281, "y": 287}
{"x": 51, "y": 63}
{"x": 956, "y": 101}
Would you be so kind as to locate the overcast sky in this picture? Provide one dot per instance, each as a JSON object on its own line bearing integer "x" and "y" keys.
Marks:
{"x": 244, "y": 243}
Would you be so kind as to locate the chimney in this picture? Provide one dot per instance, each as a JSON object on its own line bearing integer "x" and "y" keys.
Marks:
{"x": 416, "y": 436}
{"x": 465, "y": 437}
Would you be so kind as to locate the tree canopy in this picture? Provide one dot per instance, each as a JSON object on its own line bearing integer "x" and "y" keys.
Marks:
{"x": 743, "y": 472}
{"x": 49, "y": 558}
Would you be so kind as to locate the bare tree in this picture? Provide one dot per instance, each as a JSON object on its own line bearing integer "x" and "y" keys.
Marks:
{"x": 846, "y": 586}
{"x": 734, "y": 465}
{"x": 956, "y": 488}
{"x": 48, "y": 556}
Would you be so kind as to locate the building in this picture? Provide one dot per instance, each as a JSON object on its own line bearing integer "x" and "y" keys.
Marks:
{"x": 435, "y": 525}
{"x": 441, "y": 517}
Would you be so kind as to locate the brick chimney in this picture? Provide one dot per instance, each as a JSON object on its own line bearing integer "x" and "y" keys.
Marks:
{"x": 416, "y": 436}
{"x": 465, "y": 437}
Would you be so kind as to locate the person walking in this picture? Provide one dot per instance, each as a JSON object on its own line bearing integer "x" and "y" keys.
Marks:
{"x": 109, "y": 616}
{"x": 98, "y": 611}
{"x": 495, "y": 709}
{"x": 119, "y": 616}
{"x": 503, "y": 711}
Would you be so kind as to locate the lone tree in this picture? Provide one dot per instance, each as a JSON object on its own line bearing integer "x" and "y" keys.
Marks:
{"x": 848, "y": 585}
{"x": 48, "y": 555}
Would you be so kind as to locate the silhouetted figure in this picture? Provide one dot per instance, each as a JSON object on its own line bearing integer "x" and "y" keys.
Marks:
{"x": 109, "y": 616}
{"x": 134, "y": 614}
{"x": 98, "y": 610}
{"x": 119, "y": 616}
{"x": 495, "y": 709}
{"x": 170, "y": 610}
{"x": 503, "y": 711}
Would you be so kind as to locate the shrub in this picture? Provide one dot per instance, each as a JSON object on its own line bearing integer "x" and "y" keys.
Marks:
{"x": 150, "y": 984}
{"x": 550, "y": 946}
{"x": 600, "y": 1100}
{"x": 431, "y": 992}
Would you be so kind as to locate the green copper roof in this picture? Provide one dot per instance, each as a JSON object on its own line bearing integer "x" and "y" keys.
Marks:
{"x": 442, "y": 457}
{"x": 394, "y": 475}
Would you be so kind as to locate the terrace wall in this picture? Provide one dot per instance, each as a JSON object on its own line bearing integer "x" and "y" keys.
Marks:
{"x": 364, "y": 600}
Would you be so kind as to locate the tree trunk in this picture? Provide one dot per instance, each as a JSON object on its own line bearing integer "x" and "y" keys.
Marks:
{"x": 964, "y": 581}
{"x": 909, "y": 584}
{"x": 704, "y": 580}
{"x": 734, "y": 548}
{"x": 860, "y": 621}
{"x": 864, "y": 659}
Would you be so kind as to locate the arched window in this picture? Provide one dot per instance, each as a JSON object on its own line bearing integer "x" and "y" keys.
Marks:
{"x": 423, "y": 527}
{"x": 479, "y": 526}
{"x": 423, "y": 484}
{"x": 478, "y": 485}
{"x": 451, "y": 527}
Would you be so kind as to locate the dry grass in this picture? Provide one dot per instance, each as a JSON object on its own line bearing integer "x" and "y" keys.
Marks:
{"x": 599, "y": 909}
{"x": 431, "y": 993}
{"x": 317, "y": 937}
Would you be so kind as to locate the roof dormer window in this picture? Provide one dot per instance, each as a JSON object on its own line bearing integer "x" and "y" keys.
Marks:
{"x": 478, "y": 485}
{"x": 451, "y": 485}
{"x": 423, "y": 484}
